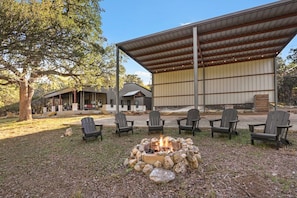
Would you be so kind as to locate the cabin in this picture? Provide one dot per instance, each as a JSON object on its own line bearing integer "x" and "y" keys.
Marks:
{"x": 133, "y": 97}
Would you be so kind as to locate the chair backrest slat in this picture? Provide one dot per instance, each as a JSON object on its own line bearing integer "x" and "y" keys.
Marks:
{"x": 154, "y": 118}
{"x": 275, "y": 118}
{"x": 88, "y": 124}
{"x": 227, "y": 116}
{"x": 121, "y": 119}
{"x": 193, "y": 114}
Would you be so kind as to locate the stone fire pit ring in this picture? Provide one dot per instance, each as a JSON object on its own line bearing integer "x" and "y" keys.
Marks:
{"x": 161, "y": 158}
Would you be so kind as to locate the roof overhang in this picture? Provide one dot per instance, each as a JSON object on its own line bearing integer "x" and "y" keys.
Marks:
{"x": 59, "y": 92}
{"x": 133, "y": 93}
{"x": 252, "y": 34}
{"x": 69, "y": 90}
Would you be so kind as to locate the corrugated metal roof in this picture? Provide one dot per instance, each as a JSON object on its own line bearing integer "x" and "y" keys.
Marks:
{"x": 59, "y": 92}
{"x": 68, "y": 90}
{"x": 252, "y": 34}
{"x": 131, "y": 93}
{"x": 130, "y": 87}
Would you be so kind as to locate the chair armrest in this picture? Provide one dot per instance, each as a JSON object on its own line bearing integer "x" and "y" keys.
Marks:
{"x": 131, "y": 122}
{"x": 163, "y": 122}
{"x": 252, "y": 126}
{"x": 281, "y": 127}
{"x": 283, "y": 137}
{"x": 179, "y": 120}
{"x": 194, "y": 122}
{"x": 147, "y": 122}
{"x": 284, "y": 126}
{"x": 211, "y": 122}
{"x": 117, "y": 125}
{"x": 100, "y": 126}
{"x": 233, "y": 124}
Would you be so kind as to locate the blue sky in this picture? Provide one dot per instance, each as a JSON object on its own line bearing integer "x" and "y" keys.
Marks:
{"x": 129, "y": 19}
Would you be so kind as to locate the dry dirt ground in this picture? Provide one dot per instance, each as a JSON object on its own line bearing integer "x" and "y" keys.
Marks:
{"x": 46, "y": 165}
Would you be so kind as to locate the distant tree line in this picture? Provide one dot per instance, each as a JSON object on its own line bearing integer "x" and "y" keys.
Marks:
{"x": 287, "y": 79}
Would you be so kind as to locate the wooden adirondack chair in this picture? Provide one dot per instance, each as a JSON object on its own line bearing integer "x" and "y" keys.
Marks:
{"x": 191, "y": 122}
{"x": 155, "y": 123}
{"x": 275, "y": 129}
{"x": 90, "y": 130}
{"x": 228, "y": 123}
{"x": 122, "y": 124}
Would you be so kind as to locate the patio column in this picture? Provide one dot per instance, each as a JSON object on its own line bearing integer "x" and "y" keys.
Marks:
{"x": 153, "y": 93}
{"x": 275, "y": 84}
{"x": 53, "y": 104}
{"x": 74, "y": 104}
{"x": 74, "y": 96}
{"x": 82, "y": 100}
{"x": 60, "y": 107}
{"x": 117, "y": 79}
{"x": 195, "y": 64}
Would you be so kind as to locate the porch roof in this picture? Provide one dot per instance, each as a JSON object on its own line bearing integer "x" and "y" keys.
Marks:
{"x": 132, "y": 93}
{"x": 69, "y": 90}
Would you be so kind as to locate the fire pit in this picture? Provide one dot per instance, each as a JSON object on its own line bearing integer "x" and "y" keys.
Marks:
{"x": 168, "y": 153}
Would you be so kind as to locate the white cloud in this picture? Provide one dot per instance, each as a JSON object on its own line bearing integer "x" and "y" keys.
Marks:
{"x": 187, "y": 23}
{"x": 145, "y": 76}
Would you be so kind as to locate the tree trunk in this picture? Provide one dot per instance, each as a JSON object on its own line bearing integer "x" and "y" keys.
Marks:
{"x": 26, "y": 94}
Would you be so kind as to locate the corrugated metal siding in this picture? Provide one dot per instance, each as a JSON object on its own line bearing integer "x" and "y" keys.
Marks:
{"x": 235, "y": 83}
{"x": 240, "y": 84}
{"x": 174, "y": 101}
{"x": 240, "y": 69}
{"x": 174, "y": 77}
{"x": 235, "y": 98}
{"x": 176, "y": 89}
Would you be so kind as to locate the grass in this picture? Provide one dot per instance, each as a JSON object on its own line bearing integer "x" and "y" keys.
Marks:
{"x": 12, "y": 128}
{"x": 70, "y": 167}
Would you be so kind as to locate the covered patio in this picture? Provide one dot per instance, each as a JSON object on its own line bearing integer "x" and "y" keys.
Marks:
{"x": 225, "y": 60}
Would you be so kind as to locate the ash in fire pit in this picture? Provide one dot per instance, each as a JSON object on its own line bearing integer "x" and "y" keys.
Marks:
{"x": 169, "y": 153}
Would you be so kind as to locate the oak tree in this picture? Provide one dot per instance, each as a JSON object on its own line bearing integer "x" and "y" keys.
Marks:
{"x": 43, "y": 39}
